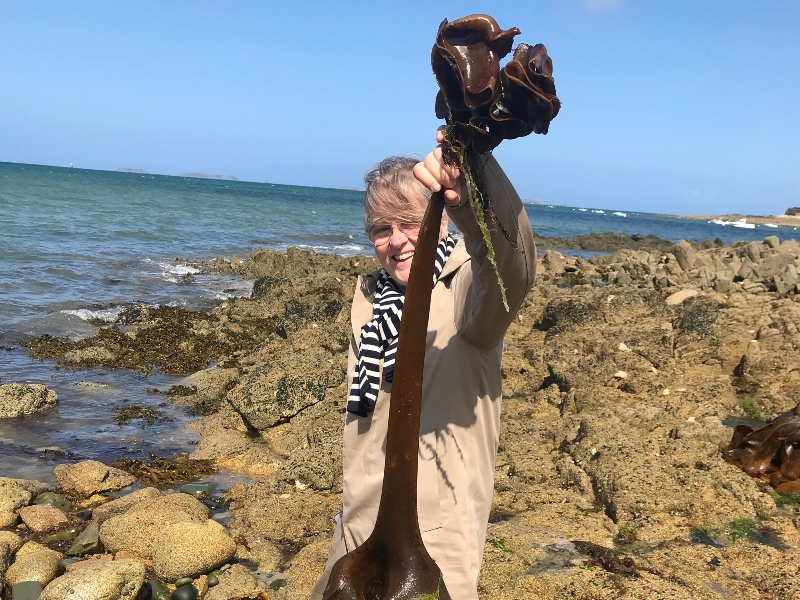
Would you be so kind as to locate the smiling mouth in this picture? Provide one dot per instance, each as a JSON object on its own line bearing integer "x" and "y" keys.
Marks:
{"x": 403, "y": 256}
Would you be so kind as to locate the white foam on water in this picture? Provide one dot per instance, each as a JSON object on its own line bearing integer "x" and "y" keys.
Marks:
{"x": 106, "y": 314}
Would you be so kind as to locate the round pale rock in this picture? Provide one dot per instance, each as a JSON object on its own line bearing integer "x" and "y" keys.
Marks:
{"x": 41, "y": 517}
{"x": 91, "y": 477}
{"x": 102, "y": 580}
{"x": 34, "y": 562}
{"x": 189, "y": 549}
{"x": 122, "y": 504}
{"x": 14, "y": 494}
{"x": 12, "y": 539}
{"x": 678, "y": 297}
{"x": 135, "y": 530}
{"x": 19, "y": 399}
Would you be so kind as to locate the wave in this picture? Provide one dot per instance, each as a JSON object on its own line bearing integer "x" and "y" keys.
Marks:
{"x": 87, "y": 314}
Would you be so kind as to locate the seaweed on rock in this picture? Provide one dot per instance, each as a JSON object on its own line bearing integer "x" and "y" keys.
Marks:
{"x": 771, "y": 453}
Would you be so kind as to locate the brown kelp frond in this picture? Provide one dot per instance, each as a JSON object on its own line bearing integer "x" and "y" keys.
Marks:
{"x": 485, "y": 103}
{"x": 770, "y": 453}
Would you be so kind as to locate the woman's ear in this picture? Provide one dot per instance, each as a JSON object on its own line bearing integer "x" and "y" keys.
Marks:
{"x": 443, "y": 227}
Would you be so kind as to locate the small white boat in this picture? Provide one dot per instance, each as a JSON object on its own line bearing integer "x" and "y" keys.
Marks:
{"x": 743, "y": 224}
{"x": 620, "y": 214}
{"x": 582, "y": 209}
{"x": 740, "y": 223}
{"x": 598, "y": 211}
{"x": 770, "y": 225}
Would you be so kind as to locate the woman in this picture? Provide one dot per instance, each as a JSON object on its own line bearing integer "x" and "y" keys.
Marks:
{"x": 460, "y": 420}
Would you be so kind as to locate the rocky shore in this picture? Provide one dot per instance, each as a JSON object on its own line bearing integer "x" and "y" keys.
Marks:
{"x": 623, "y": 374}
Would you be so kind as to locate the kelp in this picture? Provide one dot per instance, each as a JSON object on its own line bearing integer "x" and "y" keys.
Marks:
{"x": 484, "y": 103}
{"x": 770, "y": 453}
{"x": 393, "y": 563}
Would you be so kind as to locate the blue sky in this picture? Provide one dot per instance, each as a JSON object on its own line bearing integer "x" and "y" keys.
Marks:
{"x": 684, "y": 107}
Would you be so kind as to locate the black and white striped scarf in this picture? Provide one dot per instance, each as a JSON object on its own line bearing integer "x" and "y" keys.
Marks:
{"x": 379, "y": 336}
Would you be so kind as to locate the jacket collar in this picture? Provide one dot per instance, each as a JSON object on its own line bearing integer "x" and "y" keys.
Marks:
{"x": 361, "y": 312}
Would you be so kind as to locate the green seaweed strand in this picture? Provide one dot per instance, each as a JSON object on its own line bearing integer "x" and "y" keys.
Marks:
{"x": 455, "y": 151}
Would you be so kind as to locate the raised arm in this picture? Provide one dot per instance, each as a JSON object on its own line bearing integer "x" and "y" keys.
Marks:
{"x": 481, "y": 317}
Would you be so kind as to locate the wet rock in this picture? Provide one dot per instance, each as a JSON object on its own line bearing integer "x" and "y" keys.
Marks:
{"x": 14, "y": 494}
{"x": 88, "y": 542}
{"x": 135, "y": 531}
{"x": 19, "y": 399}
{"x": 190, "y": 549}
{"x": 34, "y": 562}
{"x": 41, "y": 518}
{"x": 198, "y": 489}
{"x": 91, "y": 477}
{"x": 102, "y": 580}
{"x": 184, "y": 592}
{"x": 26, "y": 590}
{"x": 53, "y": 499}
{"x": 122, "y": 504}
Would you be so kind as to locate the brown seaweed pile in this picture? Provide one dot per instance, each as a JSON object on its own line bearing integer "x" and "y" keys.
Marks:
{"x": 770, "y": 453}
{"x": 166, "y": 471}
{"x": 485, "y": 103}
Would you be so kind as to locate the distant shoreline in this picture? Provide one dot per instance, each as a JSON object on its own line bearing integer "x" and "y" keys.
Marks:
{"x": 784, "y": 220}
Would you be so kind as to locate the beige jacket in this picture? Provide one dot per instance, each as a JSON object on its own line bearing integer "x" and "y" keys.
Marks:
{"x": 460, "y": 420}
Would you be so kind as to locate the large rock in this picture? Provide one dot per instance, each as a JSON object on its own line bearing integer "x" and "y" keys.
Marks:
{"x": 91, "y": 477}
{"x": 18, "y": 399}
{"x": 236, "y": 582}
{"x": 136, "y": 530}
{"x": 684, "y": 254}
{"x": 102, "y": 580}
{"x": 189, "y": 549}
{"x": 122, "y": 504}
{"x": 13, "y": 496}
{"x": 34, "y": 562}
{"x": 41, "y": 517}
{"x": 12, "y": 539}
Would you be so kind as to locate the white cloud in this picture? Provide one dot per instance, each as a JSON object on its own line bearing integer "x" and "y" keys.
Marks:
{"x": 601, "y": 5}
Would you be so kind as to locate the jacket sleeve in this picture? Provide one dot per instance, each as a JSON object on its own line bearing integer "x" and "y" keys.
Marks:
{"x": 481, "y": 318}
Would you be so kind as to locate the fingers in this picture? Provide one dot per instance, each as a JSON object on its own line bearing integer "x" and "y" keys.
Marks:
{"x": 435, "y": 175}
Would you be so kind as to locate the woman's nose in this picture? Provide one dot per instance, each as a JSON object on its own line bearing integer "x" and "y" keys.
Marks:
{"x": 398, "y": 237}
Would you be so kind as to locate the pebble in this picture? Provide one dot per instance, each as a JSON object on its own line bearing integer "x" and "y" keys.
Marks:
{"x": 158, "y": 591}
{"x": 53, "y": 499}
{"x": 26, "y": 590}
{"x": 198, "y": 488}
{"x": 184, "y": 592}
{"x": 212, "y": 580}
{"x": 183, "y": 581}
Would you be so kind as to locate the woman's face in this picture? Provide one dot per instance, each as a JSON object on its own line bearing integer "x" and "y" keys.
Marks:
{"x": 395, "y": 242}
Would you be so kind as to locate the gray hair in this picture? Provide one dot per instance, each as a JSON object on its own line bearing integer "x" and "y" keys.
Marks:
{"x": 393, "y": 193}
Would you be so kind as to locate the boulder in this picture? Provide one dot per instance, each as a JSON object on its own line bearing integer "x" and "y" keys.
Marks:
{"x": 233, "y": 583}
{"x": 91, "y": 477}
{"x": 18, "y": 399}
{"x": 41, "y": 517}
{"x": 123, "y": 504}
{"x": 684, "y": 254}
{"x": 101, "y": 580}
{"x": 34, "y": 562}
{"x": 135, "y": 531}
{"x": 189, "y": 549}
{"x": 12, "y": 539}
{"x": 679, "y": 297}
{"x": 13, "y": 496}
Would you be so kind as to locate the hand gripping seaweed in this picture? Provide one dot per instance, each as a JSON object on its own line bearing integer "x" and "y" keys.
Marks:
{"x": 484, "y": 104}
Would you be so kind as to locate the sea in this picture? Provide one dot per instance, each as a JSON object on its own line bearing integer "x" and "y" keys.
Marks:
{"x": 78, "y": 244}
